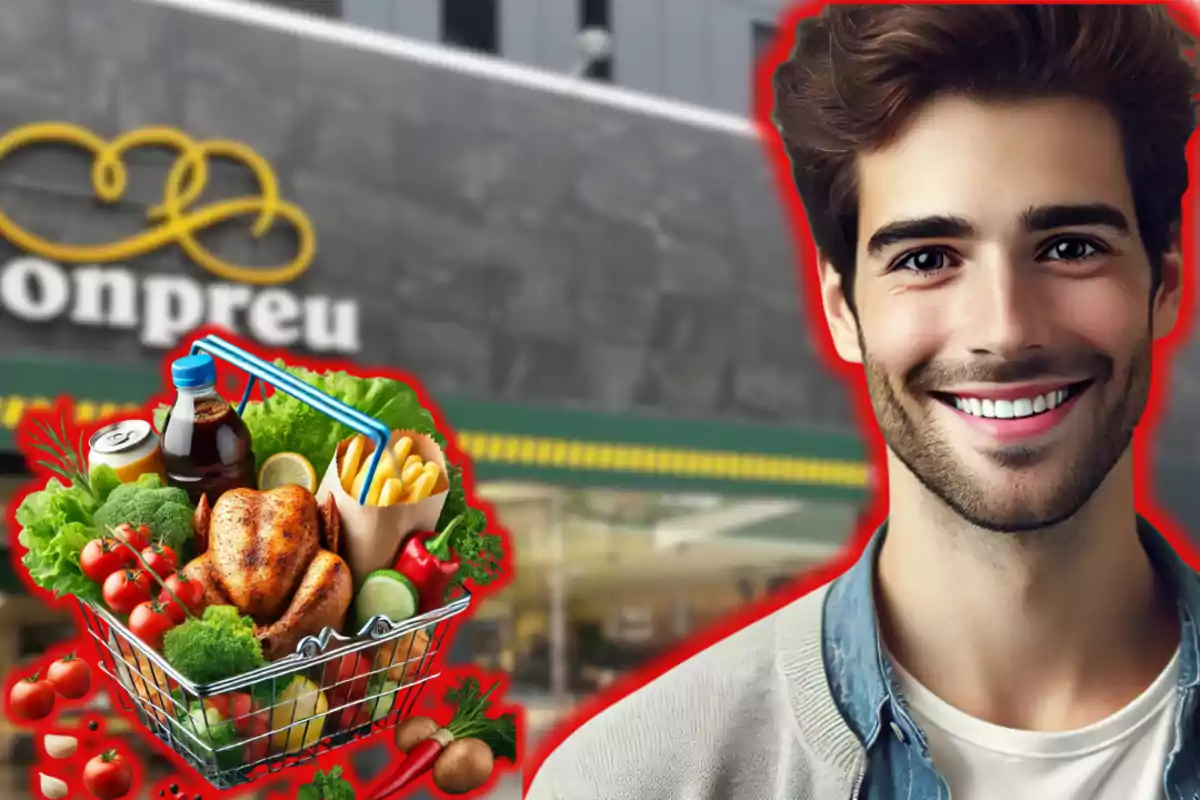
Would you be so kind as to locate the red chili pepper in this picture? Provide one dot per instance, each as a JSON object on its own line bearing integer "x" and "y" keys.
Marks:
{"x": 430, "y": 564}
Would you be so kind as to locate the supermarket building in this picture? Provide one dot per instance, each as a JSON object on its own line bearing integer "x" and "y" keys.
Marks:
{"x": 596, "y": 286}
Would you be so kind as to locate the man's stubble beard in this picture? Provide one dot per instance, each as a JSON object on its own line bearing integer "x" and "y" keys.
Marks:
{"x": 932, "y": 460}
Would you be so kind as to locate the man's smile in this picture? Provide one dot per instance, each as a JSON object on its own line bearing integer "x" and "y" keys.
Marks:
{"x": 1010, "y": 413}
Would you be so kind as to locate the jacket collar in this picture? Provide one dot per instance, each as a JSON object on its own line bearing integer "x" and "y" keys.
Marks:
{"x": 860, "y": 676}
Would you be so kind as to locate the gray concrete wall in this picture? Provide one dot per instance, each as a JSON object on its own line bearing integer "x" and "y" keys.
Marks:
{"x": 505, "y": 243}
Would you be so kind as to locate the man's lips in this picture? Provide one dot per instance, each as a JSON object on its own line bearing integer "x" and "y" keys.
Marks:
{"x": 1014, "y": 412}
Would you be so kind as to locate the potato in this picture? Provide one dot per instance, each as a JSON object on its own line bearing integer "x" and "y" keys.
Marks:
{"x": 402, "y": 657}
{"x": 414, "y": 730}
{"x": 463, "y": 767}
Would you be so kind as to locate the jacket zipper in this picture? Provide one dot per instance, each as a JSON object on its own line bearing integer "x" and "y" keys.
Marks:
{"x": 858, "y": 782}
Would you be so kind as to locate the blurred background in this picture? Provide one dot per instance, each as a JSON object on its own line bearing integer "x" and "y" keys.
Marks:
{"x": 554, "y": 213}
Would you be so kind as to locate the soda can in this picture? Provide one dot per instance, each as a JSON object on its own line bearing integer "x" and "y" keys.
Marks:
{"x": 130, "y": 447}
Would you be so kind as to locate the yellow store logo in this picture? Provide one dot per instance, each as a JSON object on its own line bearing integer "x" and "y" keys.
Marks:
{"x": 176, "y": 220}
{"x": 101, "y": 291}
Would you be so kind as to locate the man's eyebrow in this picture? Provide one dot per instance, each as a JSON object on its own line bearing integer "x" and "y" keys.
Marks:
{"x": 1045, "y": 218}
{"x": 935, "y": 227}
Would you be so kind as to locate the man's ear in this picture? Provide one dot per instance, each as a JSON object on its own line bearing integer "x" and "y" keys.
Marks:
{"x": 839, "y": 316}
{"x": 1164, "y": 308}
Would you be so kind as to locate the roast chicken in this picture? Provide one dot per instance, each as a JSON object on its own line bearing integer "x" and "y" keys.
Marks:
{"x": 274, "y": 556}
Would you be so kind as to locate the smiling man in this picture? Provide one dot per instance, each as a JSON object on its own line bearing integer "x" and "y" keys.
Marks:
{"x": 995, "y": 196}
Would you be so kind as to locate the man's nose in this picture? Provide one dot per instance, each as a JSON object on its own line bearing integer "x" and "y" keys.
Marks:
{"x": 1006, "y": 313}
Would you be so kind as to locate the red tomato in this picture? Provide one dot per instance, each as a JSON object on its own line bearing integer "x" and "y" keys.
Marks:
{"x": 138, "y": 538}
{"x": 101, "y": 558}
{"x": 161, "y": 559}
{"x": 108, "y": 776}
{"x": 123, "y": 590}
{"x": 70, "y": 677}
{"x": 188, "y": 591}
{"x": 32, "y": 698}
{"x": 347, "y": 678}
{"x": 257, "y": 740}
{"x": 150, "y": 622}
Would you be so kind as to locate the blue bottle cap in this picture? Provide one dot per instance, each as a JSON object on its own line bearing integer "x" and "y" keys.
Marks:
{"x": 191, "y": 372}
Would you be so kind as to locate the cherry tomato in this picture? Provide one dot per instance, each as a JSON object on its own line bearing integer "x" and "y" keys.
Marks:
{"x": 32, "y": 698}
{"x": 161, "y": 559}
{"x": 138, "y": 538}
{"x": 101, "y": 558}
{"x": 108, "y": 776}
{"x": 70, "y": 677}
{"x": 188, "y": 591}
{"x": 256, "y": 735}
{"x": 150, "y": 622}
{"x": 124, "y": 589}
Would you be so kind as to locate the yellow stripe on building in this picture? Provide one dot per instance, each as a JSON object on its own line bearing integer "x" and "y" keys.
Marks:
{"x": 13, "y": 407}
{"x": 573, "y": 454}
{"x": 502, "y": 448}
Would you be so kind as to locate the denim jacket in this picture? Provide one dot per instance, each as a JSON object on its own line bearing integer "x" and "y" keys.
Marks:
{"x": 863, "y": 685}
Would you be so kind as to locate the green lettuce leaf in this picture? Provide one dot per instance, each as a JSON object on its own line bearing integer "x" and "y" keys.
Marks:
{"x": 103, "y": 479}
{"x": 54, "y": 563}
{"x": 285, "y": 424}
{"x": 56, "y": 524}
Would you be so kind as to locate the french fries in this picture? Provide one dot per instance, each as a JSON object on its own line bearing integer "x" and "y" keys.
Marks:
{"x": 401, "y": 477}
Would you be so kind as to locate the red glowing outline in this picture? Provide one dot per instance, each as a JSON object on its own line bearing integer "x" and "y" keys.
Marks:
{"x": 1187, "y": 15}
{"x": 231, "y": 380}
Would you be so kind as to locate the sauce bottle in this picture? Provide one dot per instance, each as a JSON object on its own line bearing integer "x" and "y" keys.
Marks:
{"x": 206, "y": 446}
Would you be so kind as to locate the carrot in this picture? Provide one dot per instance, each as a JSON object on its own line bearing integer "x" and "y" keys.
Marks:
{"x": 470, "y": 720}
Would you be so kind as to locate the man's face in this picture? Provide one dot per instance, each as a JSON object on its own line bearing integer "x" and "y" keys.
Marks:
{"x": 1004, "y": 305}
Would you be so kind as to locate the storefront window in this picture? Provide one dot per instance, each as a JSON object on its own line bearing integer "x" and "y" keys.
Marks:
{"x": 607, "y": 580}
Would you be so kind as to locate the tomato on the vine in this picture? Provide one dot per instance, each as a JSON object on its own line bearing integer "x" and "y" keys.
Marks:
{"x": 124, "y": 589}
{"x": 32, "y": 698}
{"x": 138, "y": 538}
{"x": 187, "y": 591}
{"x": 108, "y": 776}
{"x": 150, "y": 622}
{"x": 101, "y": 558}
{"x": 161, "y": 559}
{"x": 71, "y": 677}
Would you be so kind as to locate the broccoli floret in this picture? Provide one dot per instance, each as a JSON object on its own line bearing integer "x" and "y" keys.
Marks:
{"x": 165, "y": 510}
{"x": 214, "y": 647}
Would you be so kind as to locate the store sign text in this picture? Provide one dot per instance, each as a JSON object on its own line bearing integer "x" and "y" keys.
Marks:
{"x": 98, "y": 291}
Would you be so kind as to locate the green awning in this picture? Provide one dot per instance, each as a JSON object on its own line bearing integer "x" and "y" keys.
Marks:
{"x": 522, "y": 442}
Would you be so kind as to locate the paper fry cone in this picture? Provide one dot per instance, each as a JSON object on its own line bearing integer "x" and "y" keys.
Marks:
{"x": 371, "y": 535}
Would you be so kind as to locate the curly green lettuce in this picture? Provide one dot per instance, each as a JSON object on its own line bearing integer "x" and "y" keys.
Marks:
{"x": 56, "y": 524}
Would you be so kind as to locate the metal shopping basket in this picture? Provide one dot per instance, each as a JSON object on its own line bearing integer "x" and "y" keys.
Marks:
{"x": 333, "y": 690}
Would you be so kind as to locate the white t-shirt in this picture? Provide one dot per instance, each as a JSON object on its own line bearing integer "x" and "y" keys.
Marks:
{"x": 1118, "y": 758}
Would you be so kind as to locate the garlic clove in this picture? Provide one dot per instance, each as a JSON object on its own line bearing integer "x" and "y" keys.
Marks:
{"x": 52, "y": 788}
{"x": 60, "y": 746}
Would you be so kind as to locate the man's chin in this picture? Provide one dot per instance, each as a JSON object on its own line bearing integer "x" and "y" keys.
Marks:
{"x": 1014, "y": 489}
{"x": 1013, "y": 515}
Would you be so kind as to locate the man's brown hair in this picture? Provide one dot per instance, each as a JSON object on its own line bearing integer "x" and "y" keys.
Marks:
{"x": 857, "y": 73}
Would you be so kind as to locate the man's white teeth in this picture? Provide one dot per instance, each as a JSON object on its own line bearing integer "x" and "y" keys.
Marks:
{"x": 1011, "y": 409}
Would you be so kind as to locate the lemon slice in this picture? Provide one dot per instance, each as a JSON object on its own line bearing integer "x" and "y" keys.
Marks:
{"x": 298, "y": 718}
{"x": 287, "y": 469}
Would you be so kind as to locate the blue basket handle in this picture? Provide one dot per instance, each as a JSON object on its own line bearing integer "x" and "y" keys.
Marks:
{"x": 268, "y": 373}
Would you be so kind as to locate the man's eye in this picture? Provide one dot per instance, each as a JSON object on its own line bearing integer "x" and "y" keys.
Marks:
{"x": 923, "y": 261}
{"x": 1070, "y": 250}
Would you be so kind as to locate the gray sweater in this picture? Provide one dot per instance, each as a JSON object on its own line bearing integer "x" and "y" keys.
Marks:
{"x": 750, "y": 718}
